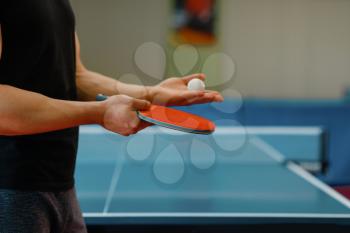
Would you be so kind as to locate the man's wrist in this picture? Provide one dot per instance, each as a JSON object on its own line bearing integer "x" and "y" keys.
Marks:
{"x": 94, "y": 112}
{"x": 100, "y": 112}
{"x": 150, "y": 93}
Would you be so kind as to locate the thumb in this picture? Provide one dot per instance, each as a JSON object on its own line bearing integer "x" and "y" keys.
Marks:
{"x": 138, "y": 104}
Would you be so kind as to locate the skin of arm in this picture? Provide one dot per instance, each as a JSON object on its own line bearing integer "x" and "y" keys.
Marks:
{"x": 90, "y": 83}
{"x": 172, "y": 91}
{"x": 24, "y": 112}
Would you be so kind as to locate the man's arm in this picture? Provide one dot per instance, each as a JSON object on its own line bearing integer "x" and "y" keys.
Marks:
{"x": 90, "y": 83}
{"x": 172, "y": 91}
{"x": 24, "y": 112}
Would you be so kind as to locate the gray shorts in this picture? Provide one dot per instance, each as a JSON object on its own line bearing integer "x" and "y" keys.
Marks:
{"x": 40, "y": 212}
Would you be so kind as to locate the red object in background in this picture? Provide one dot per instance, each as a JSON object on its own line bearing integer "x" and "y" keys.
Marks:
{"x": 344, "y": 190}
{"x": 198, "y": 25}
{"x": 197, "y": 7}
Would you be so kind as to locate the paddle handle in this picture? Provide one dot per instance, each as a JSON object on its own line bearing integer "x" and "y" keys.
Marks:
{"x": 101, "y": 97}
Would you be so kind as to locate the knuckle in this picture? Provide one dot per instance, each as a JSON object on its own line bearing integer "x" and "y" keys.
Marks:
{"x": 124, "y": 134}
{"x": 129, "y": 132}
{"x": 133, "y": 126}
{"x": 124, "y": 98}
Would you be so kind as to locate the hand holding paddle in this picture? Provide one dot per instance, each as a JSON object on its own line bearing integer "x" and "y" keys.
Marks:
{"x": 159, "y": 115}
{"x": 172, "y": 91}
{"x": 120, "y": 114}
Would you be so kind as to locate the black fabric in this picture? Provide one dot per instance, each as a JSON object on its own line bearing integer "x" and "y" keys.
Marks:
{"x": 40, "y": 212}
{"x": 38, "y": 55}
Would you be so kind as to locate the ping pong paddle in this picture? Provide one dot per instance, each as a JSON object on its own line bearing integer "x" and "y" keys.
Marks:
{"x": 173, "y": 119}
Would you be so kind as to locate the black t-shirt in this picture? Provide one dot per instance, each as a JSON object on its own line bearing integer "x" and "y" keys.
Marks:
{"x": 38, "y": 55}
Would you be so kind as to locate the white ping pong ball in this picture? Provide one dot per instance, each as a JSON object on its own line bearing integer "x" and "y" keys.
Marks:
{"x": 196, "y": 85}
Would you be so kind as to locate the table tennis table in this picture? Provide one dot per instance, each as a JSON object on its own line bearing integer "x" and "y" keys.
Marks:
{"x": 236, "y": 177}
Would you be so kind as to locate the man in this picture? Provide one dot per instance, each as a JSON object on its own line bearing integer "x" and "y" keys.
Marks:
{"x": 45, "y": 94}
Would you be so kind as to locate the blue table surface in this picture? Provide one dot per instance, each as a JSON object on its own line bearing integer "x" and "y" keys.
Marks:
{"x": 332, "y": 114}
{"x": 116, "y": 178}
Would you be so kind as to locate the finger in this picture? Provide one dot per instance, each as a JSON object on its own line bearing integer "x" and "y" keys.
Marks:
{"x": 192, "y": 76}
{"x": 202, "y": 100}
{"x": 138, "y": 104}
{"x": 184, "y": 97}
{"x": 209, "y": 96}
{"x": 143, "y": 125}
{"x": 140, "y": 125}
{"x": 192, "y": 94}
{"x": 195, "y": 97}
{"x": 134, "y": 123}
{"x": 217, "y": 96}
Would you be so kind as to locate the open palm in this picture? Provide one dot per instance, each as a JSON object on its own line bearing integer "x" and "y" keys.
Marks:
{"x": 173, "y": 91}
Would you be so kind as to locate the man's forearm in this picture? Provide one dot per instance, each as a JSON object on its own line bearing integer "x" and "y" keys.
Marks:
{"x": 23, "y": 112}
{"x": 90, "y": 84}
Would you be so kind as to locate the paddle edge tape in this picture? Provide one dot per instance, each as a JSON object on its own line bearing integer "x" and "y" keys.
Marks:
{"x": 171, "y": 126}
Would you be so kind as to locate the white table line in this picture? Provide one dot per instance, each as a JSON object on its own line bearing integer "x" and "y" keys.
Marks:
{"x": 215, "y": 215}
{"x": 112, "y": 188}
{"x": 275, "y": 154}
